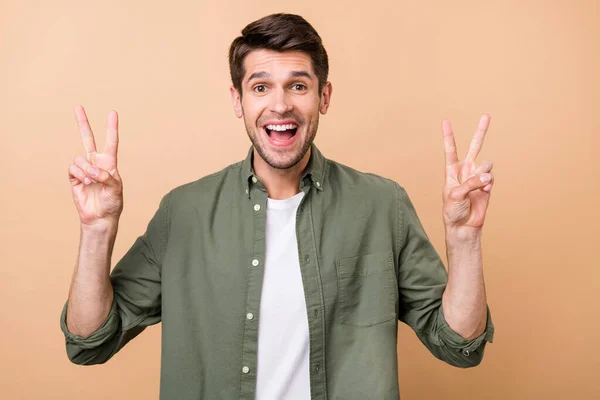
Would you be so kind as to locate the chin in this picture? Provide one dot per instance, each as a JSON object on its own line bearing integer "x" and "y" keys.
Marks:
{"x": 281, "y": 161}
{"x": 281, "y": 158}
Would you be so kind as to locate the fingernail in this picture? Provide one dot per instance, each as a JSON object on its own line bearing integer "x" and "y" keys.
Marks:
{"x": 87, "y": 181}
{"x": 92, "y": 171}
{"x": 485, "y": 178}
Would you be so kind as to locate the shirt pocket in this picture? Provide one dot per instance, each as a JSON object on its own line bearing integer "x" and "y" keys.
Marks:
{"x": 367, "y": 288}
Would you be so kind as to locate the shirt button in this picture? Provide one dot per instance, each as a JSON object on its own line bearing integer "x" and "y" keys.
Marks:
{"x": 254, "y": 179}
{"x": 255, "y": 262}
{"x": 318, "y": 184}
{"x": 256, "y": 207}
{"x": 246, "y": 191}
{"x": 249, "y": 315}
{"x": 245, "y": 370}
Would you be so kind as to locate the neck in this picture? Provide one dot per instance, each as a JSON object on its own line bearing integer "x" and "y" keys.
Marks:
{"x": 281, "y": 184}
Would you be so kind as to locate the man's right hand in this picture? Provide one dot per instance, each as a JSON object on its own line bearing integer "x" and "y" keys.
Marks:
{"x": 98, "y": 196}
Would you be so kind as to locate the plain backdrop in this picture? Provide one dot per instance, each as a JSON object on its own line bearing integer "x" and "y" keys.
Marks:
{"x": 398, "y": 69}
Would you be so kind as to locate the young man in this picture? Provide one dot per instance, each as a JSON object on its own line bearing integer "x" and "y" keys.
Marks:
{"x": 282, "y": 276}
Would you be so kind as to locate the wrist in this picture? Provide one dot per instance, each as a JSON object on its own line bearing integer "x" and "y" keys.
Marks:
{"x": 463, "y": 235}
{"x": 100, "y": 228}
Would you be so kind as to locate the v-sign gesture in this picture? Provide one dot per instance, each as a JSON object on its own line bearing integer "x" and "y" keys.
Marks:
{"x": 467, "y": 188}
{"x": 95, "y": 182}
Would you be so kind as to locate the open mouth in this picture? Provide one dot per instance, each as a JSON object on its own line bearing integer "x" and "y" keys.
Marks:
{"x": 281, "y": 134}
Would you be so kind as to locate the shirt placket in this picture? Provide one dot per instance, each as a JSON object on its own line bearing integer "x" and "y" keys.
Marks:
{"x": 256, "y": 203}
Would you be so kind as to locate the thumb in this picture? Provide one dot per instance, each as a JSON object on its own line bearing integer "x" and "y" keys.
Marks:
{"x": 477, "y": 182}
{"x": 103, "y": 176}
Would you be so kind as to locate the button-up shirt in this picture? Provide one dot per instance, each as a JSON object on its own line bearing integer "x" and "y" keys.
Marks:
{"x": 366, "y": 263}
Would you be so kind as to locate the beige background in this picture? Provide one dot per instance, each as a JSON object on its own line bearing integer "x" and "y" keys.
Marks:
{"x": 398, "y": 68}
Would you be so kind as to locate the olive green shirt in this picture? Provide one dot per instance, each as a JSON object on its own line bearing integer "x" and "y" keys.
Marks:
{"x": 365, "y": 260}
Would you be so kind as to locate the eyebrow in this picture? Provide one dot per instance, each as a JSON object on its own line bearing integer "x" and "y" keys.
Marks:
{"x": 295, "y": 74}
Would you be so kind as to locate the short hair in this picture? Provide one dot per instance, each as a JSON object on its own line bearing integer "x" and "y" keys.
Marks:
{"x": 279, "y": 32}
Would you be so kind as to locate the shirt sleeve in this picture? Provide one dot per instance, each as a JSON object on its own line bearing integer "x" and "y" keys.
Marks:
{"x": 422, "y": 279}
{"x": 136, "y": 281}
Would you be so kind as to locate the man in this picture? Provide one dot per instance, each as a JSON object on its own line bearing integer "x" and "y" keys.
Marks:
{"x": 282, "y": 276}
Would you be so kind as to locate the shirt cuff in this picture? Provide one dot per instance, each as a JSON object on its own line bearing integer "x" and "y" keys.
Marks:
{"x": 456, "y": 341}
{"x": 105, "y": 332}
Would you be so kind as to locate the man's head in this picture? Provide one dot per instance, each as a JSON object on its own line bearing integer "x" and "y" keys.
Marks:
{"x": 279, "y": 71}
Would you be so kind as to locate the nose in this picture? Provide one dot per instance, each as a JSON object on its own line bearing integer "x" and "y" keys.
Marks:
{"x": 280, "y": 103}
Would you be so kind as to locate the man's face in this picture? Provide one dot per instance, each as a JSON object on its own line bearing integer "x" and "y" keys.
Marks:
{"x": 280, "y": 105}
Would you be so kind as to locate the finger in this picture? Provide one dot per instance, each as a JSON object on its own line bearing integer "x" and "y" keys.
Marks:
{"x": 112, "y": 134}
{"x": 449, "y": 143}
{"x": 85, "y": 131}
{"x": 488, "y": 188}
{"x": 86, "y": 167}
{"x": 477, "y": 141}
{"x": 486, "y": 166}
{"x": 77, "y": 176}
{"x": 477, "y": 182}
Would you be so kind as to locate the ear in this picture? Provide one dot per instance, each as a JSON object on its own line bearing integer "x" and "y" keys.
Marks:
{"x": 325, "y": 98}
{"x": 236, "y": 99}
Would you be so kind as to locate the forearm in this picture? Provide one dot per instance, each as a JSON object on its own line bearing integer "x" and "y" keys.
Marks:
{"x": 91, "y": 293}
{"x": 464, "y": 300}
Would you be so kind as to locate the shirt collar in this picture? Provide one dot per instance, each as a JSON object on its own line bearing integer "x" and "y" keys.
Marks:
{"x": 315, "y": 169}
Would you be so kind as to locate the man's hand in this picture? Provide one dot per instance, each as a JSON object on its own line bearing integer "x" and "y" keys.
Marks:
{"x": 95, "y": 182}
{"x": 466, "y": 193}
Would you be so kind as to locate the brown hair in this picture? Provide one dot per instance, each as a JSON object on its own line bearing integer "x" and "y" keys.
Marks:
{"x": 279, "y": 32}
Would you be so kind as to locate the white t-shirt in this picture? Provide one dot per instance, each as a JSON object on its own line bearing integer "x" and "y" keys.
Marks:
{"x": 283, "y": 345}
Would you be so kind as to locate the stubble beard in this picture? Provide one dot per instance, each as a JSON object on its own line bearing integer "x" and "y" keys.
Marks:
{"x": 277, "y": 162}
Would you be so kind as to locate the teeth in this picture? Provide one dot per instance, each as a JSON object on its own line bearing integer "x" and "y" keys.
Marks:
{"x": 281, "y": 128}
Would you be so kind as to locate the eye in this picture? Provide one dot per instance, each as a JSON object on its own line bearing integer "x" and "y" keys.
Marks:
{"x": 260, "y": 88}
{"x": 299, "y": 86}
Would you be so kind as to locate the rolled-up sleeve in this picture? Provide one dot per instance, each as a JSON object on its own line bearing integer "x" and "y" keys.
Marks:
{"x": 422, "y": 279}
{"x": 136, "y": 281}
